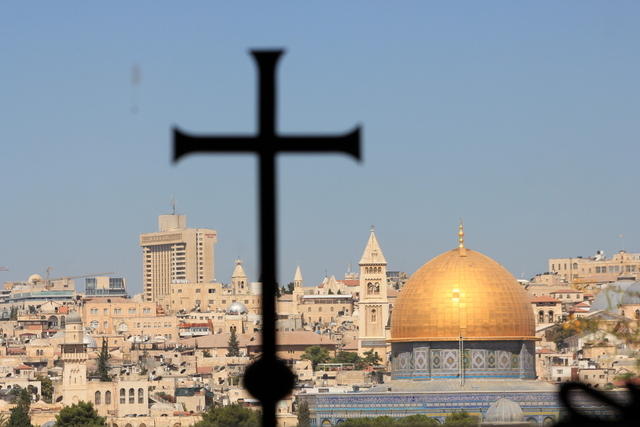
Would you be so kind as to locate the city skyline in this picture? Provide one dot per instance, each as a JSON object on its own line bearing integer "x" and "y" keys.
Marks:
{"x": 521, "y": 120}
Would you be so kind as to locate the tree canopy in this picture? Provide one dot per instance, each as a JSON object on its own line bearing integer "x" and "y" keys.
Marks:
{"x": 46, "y": 387}
{"x": 316, "y": 354}
{"x": 103, "y": 362}
{"x": 304, "y": 416}
{"x": 19, "y": 416}
{"x": 79, "y": 414}
{"x": 230, "y": 416}
{"x": 233, "y": 345}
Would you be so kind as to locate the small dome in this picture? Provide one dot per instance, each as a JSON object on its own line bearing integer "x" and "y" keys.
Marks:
{"x": 74, "y": 317}
{"x": 503, "y": 411}
{"x": 237, "y": 308}
{"x": 34, "y": 278}
{"x": 631, "y": 295}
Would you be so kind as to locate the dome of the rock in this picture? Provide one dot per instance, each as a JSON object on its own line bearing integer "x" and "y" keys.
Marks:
{"x": 462, "y": 315}
{"x": 462, "y": 292}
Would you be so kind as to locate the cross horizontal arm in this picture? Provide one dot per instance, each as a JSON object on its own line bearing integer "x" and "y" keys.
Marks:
{"x": 348, "y": 143}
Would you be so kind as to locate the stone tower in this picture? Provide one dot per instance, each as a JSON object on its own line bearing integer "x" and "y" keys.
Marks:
{"x": 239, "y": 279}
{"x": 373, "y": 306}
{"x": 74, "y": 356}
{"x": 297, "y": 283}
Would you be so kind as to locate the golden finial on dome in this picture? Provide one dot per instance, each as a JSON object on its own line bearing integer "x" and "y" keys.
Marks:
{"x": 461, "y": 247}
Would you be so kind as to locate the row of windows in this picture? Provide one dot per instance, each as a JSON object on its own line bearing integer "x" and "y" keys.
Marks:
{"x": 372, "y": 270}
{"x": 94, "y": 311}
{"x": 599, "y": 269}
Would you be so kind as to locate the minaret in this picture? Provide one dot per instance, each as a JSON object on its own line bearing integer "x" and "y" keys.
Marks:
{"x": 74, "y": 356}
{"x": 373, "y": 306}
{"x": 239, "y": 279}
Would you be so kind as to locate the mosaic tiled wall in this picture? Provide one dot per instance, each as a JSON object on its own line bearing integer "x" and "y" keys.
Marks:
{"x": 480, "y": 359}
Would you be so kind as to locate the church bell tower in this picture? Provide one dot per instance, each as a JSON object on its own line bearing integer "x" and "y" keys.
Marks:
{"x": 373, "y": 306}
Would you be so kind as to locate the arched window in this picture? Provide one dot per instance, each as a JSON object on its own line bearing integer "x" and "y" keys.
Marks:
{"x": 97, "y": 398}
{"x": 541, "y": 316}
{"x": 140, "y": 395}
{"x": 373, "y": 315}
{"x": 107, "y": 398}
{"x": 123, "y": 396}
{"x": 637, "y": 314}
{"x": 550, "y": 316}
{"x": 132, "y": 396}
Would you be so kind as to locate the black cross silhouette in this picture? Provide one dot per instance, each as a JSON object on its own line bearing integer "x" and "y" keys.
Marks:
{"x": 268, "y": 379}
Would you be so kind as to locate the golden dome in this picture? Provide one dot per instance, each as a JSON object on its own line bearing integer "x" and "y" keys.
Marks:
{"x": 462, "y": 292}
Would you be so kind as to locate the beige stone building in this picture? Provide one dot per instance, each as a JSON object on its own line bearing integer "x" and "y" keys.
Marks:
{"x": 325, "y": 309}
{"x": 216, "y": 297}
{"x": 123, "y": 316}
{"x": 175, "y": 254}
{"x": 596, "y": 269}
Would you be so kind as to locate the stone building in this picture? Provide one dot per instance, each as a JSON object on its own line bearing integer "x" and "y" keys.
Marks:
{"x": 596, "y": 269}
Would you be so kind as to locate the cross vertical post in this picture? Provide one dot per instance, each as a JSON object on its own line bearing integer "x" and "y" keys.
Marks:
{"x": 268, "y": 379}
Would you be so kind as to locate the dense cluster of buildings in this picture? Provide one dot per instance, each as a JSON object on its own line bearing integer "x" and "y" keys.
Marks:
{"x": 461, "y": 333}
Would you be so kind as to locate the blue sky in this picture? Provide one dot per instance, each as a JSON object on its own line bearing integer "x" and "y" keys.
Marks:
{"x": 522, "y": 118}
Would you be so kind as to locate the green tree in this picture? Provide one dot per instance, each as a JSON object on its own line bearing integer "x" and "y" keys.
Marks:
{"x": 348, "y": 357}
{"x": 461, "y": 418}
{"x": 19, "y": 416}
{"x": 304, "y": 416}
{"x": 79, "y": 414}
{"x": 233, "y": 345}
{"x": 371, "y": 358}
{"x": 415, "y": 421}
{"x": 369, "y": 422}
{"x": 229, "y": 416}
{"x": 316, "y": 354}
{"x": 289, "y": 288}
{"x": 46, "y": 387}
{"x": 103, "y": 362}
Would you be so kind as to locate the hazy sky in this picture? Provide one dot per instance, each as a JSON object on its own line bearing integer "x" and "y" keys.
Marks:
{"x": 522, "y": 118}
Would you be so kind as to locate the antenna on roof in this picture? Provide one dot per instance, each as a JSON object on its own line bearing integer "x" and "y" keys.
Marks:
{"x": 173, "y": 205}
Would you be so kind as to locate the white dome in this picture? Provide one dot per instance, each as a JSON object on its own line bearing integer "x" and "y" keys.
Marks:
{"x": 34, "y": 278}
{"x": 503, "y": 411}
{"x": 237, "y": 308}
